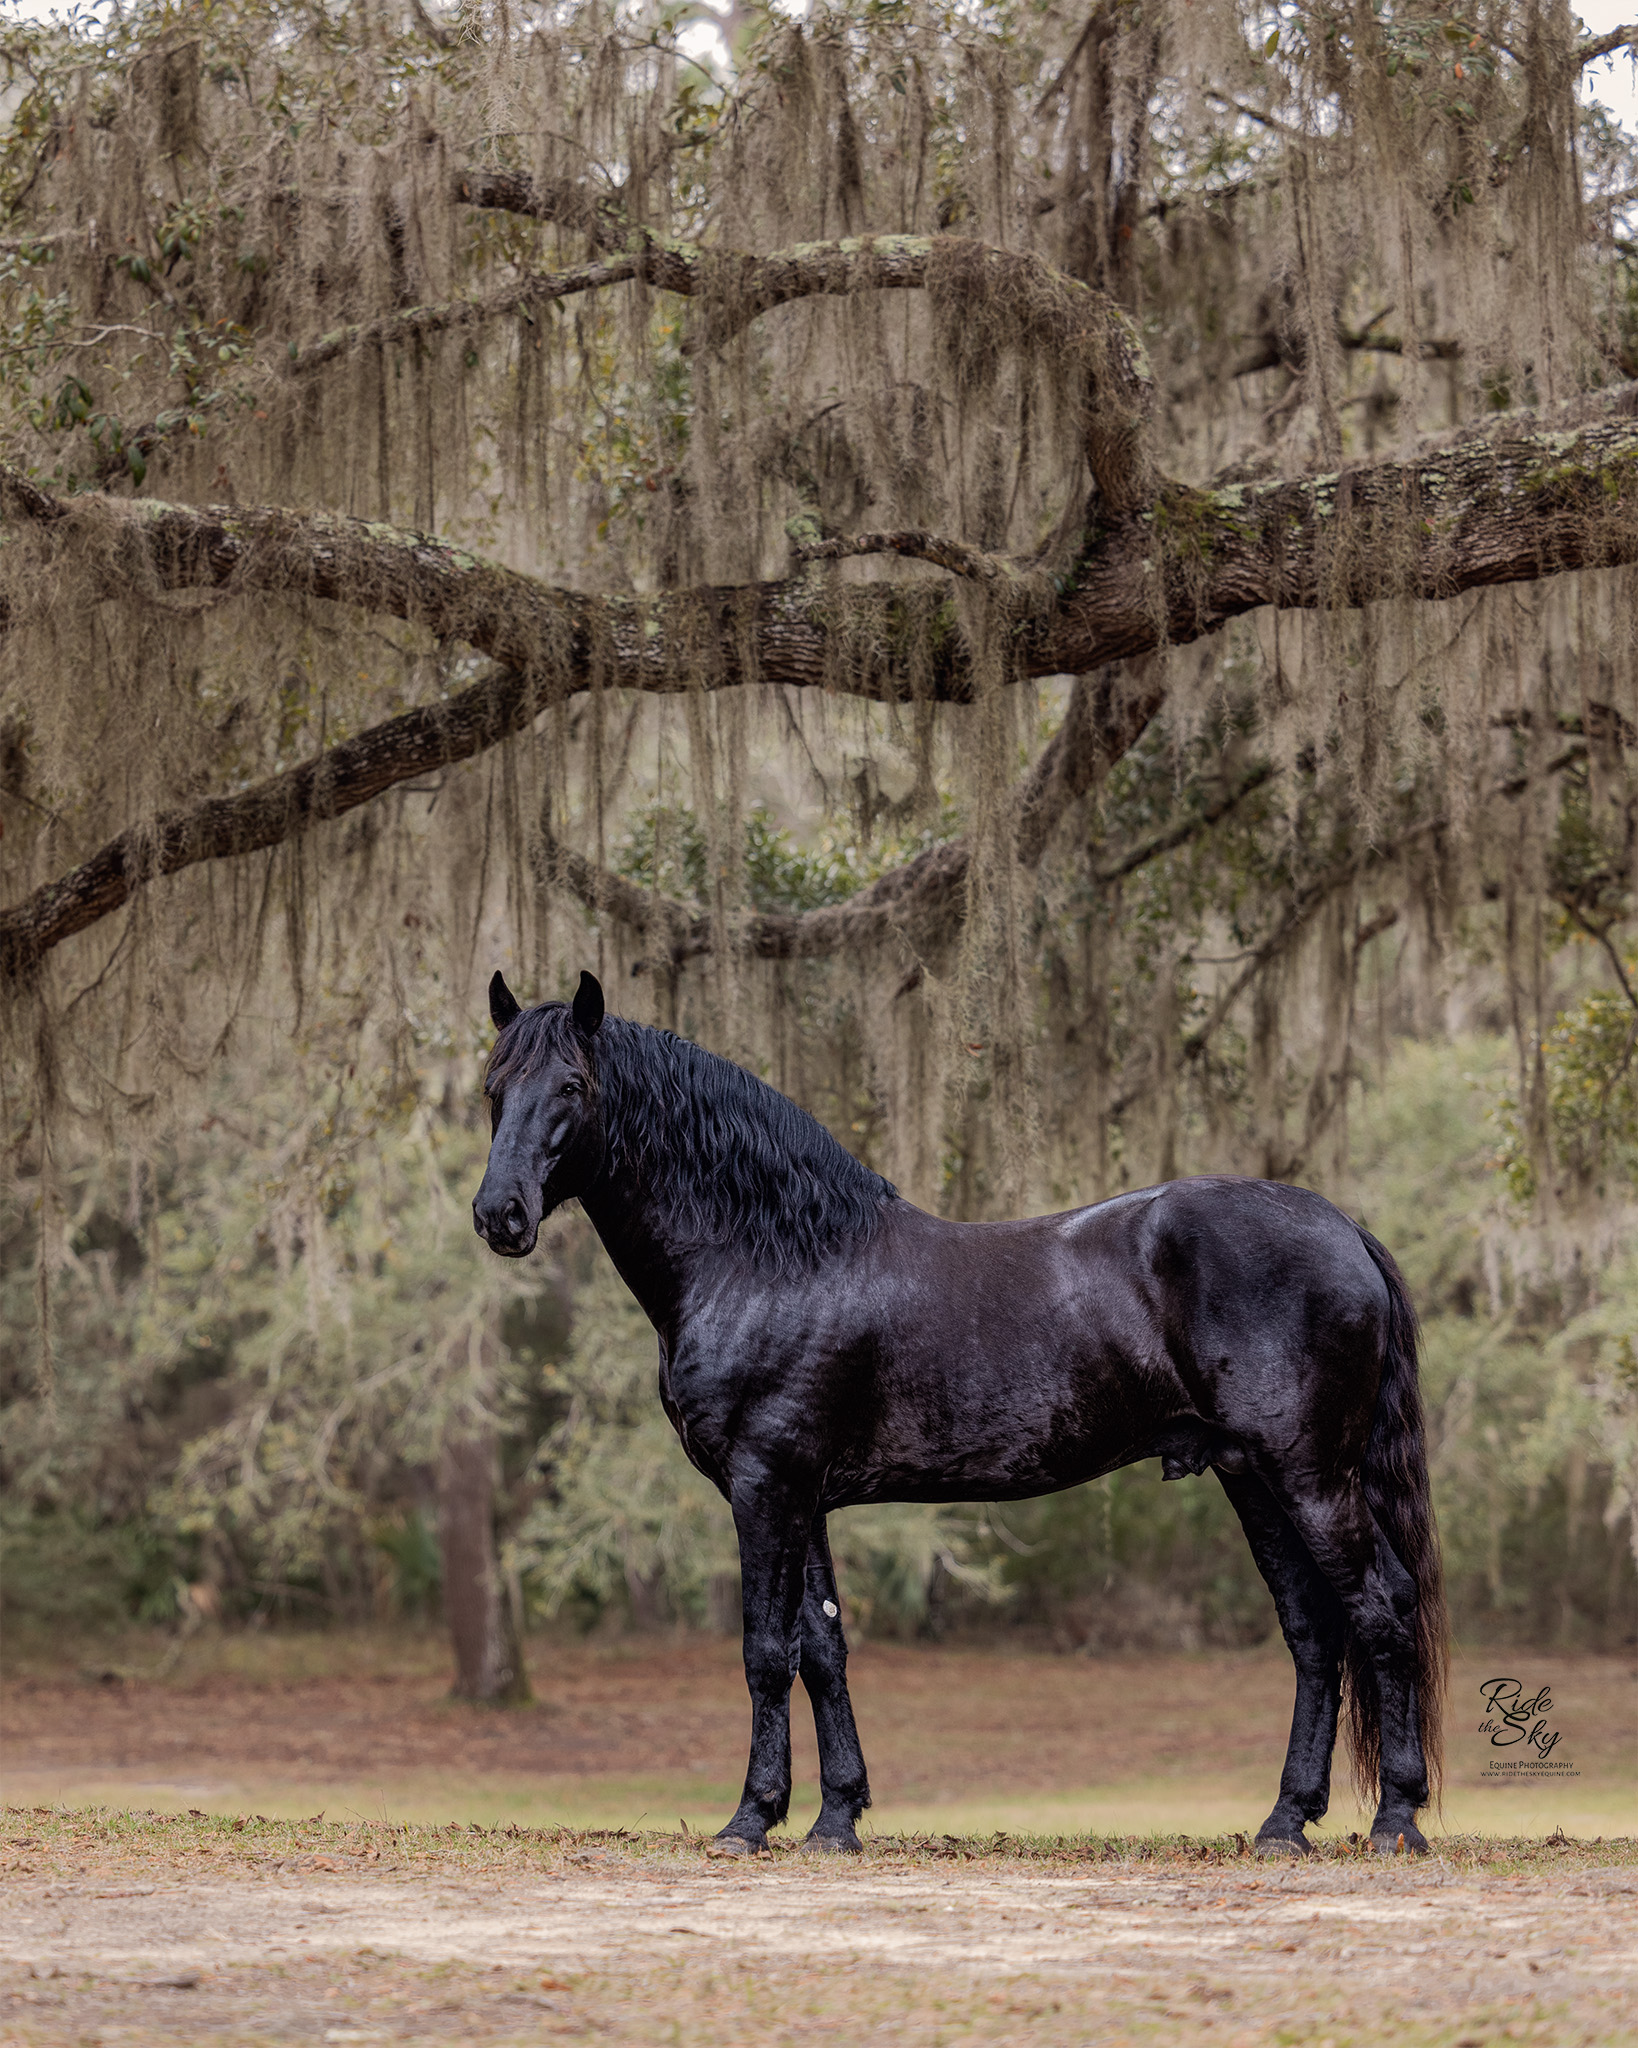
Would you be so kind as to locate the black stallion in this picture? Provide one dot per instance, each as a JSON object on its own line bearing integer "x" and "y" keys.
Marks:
{"x": 824, "y": 1342}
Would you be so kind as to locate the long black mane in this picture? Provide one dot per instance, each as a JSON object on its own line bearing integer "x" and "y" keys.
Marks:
{"x": 733, "y": 1161}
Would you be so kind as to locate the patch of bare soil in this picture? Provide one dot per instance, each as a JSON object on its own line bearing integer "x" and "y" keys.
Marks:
{"x": 138, "y": 1929}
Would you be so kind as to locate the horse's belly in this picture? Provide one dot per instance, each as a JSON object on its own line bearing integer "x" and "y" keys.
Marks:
{"x": 1009, "y": 1449}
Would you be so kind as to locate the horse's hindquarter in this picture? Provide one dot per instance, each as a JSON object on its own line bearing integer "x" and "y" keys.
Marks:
{"x": 1274, "y": 1313}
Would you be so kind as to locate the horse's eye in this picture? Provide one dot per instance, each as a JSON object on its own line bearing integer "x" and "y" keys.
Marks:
{"x": 571, "y": 1087}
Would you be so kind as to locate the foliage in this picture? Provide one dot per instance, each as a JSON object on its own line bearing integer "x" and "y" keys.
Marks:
{"x": 295, "y": 293}
{"x": 665, "y": 849}
{"x": 253, "y": 1355}
{"x": 1530, "y": 1447}
{"x": 1592, "y": 1102}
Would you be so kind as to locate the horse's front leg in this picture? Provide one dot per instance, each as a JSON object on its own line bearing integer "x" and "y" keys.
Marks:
{"x": 772, "y": 1524}
{"x": 844, "y": 1787}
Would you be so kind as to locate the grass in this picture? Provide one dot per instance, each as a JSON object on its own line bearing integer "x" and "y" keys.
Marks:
{"x": 52, "y": 1843}
{"x": 631, "y": 1801}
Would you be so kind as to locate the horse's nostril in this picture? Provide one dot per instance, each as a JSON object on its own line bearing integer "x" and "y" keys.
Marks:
{"x": 501, "y": 1224}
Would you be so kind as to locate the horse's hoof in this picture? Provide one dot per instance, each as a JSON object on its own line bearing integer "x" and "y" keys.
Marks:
{"x": 735, "y": 1845}
{"x": 1406, "y": 1841}
{"x": 816, "y": 1844}
{"x": 1281, "y": 1845}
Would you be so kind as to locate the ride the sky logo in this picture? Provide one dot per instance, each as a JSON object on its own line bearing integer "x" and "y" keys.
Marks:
{"x": 1516, "y": 1720}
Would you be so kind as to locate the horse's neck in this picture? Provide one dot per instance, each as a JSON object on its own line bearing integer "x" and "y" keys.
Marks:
{"x": 651, "y": 1259}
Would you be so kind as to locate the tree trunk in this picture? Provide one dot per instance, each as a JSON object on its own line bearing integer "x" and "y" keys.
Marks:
{"x": 482, "y": 1628}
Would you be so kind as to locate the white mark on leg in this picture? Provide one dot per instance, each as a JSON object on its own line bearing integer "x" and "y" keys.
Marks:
{"x": 831, "y": 1609}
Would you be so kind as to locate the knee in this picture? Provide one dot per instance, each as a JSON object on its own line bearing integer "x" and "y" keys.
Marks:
{"x": 770, "y": 1663}
{"x": 1315, "y": 1646}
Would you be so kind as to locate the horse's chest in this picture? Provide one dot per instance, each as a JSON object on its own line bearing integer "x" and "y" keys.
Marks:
{"x": 697, "y": 1405}
{"x": 739, "y": 1368}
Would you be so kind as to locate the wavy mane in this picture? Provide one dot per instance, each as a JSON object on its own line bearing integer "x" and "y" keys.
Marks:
{"x": 733, "y": 1160}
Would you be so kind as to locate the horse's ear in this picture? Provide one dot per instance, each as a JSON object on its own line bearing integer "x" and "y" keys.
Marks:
{"x": 588, "y": 1004}
{"x": 503, "y": 1005}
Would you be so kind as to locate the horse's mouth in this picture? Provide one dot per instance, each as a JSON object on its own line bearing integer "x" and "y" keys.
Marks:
{"x": 511, "y": 1248}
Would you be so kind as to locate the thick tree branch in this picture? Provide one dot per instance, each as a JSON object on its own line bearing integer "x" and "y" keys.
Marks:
{"x": 1523, "y": 498}
{"x": 1044, "y": 309}
{"x": 1268, "y": 352}
{"x": 913, "y": 902}
{"x": 562, "y": 202}
{"x": 1105, "y": 717}
{"x": 333, "y": 783}
{"x": 542, "y": 289}
{"x": 1601, "y": 46}
{"x": 775, "y": 633}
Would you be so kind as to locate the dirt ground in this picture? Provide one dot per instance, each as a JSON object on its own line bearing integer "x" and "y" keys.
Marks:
{"x": 159, "y": 1929}
{"x": 124, "y": 1924}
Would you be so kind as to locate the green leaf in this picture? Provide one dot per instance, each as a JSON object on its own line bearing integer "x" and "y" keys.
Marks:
{"x": 1272, "y": 44}
{"x": 136, "y": 462}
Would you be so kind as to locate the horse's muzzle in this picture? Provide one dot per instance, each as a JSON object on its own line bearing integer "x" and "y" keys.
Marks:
{"x": 506, "y": 1227}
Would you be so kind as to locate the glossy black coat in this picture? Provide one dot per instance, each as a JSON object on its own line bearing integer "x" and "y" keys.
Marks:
{"x": 824, "y": 1343}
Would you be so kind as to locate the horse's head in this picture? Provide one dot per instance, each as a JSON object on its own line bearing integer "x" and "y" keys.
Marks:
{"x": 546, "y": 1126}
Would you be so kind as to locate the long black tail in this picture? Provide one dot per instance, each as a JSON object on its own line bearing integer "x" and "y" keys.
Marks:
{"x": 1396, "y": 1491}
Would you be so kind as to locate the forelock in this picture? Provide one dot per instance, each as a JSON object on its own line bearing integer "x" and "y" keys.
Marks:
{"x": 531, "y": 1039}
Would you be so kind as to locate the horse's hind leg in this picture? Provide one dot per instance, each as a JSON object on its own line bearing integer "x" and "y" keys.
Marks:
{"x": 1315, "y": 1627}
{"x": 844, "y": 1787}
{"x": 773, "y": 1528}
{"x": 1379, "y": 1597}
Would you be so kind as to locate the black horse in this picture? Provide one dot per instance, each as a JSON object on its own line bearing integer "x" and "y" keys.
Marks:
{"x": 824, "y": 1342}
